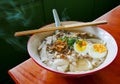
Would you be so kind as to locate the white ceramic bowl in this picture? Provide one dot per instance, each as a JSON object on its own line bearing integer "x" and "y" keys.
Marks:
{"x": 36, "y": 39}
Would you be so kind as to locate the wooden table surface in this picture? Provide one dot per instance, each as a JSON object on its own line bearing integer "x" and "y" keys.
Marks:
{"x": 29, "y": 72}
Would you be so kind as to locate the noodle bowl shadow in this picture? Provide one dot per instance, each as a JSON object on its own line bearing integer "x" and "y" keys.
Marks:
{"x": 36, "y": 39}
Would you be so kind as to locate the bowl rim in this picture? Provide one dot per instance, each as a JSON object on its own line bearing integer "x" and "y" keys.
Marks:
{"x": 79, "y": 73}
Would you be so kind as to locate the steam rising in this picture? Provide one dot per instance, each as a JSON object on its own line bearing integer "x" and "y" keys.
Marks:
{"x": 65, "y": 16}
{"x": 15, "y": 17}
{"x": 18, "y": 16}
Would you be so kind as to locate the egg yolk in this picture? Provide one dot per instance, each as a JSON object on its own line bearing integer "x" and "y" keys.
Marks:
{"x": 99, "y": 48}
{"x": 81, "y": 45}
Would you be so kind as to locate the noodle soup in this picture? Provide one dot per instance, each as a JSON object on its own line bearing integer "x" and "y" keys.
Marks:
{"x": 67, "y": 51}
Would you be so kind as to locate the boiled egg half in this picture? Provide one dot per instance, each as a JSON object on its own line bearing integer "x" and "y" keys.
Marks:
{"x": 97, "y": 50}
{"x": 81, "y": 47}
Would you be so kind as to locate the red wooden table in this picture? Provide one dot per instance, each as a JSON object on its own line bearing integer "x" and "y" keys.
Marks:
{"x": 29, "y": 72}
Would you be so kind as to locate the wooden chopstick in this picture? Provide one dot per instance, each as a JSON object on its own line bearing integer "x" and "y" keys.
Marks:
{"x": 65, "y": 27}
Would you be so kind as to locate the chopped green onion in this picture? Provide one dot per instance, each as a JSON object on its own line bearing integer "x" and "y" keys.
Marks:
{"x": 71, "y": 41}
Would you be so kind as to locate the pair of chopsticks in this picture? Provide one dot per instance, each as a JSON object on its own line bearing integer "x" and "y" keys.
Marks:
{"x": 64, "y": 27}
